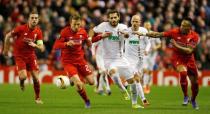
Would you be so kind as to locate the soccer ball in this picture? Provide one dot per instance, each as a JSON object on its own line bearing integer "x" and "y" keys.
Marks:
{"x": 62, "y": 82}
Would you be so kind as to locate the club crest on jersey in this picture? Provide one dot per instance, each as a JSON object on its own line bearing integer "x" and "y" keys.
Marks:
{"x": 189, "y": 39}
{"x": 35, "y": 35}
{"x": 179, "y": 38}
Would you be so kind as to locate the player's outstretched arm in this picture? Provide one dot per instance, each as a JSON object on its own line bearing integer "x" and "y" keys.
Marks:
{"x": 187, "y": 50}
{"x": 7, "y": 43}
{"x": 100, "y": 36}
{"x": 154, "y": 34}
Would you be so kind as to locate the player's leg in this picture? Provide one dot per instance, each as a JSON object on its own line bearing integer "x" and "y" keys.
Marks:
{"x": 193, "y": 76}
{"x": 100, "y": 84}
{"x": 106, "y": 84}
{"x": 22, "y": 72}
{"x": 115, "y": 76}
{"x": 72, "y": 71}
{"x": 140, "y": 89}
{"x": 182, "y": 70}
{"x": 146, "y": 81}
{"x": 22, "y": 77}
{"x": 134, "y": 93}
{"x": 86, "y": 72}
{"x": 127, "y": 72}
{"x": 80, "y": 89}
{"x": 36, "y": 85}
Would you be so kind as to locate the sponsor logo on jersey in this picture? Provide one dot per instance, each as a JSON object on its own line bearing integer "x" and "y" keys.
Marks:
{"x": 114, "y": 38}
{"x": 133, "y": 42}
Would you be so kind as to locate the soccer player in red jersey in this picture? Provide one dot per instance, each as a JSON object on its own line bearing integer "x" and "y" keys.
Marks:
{"x": 26, "y": 38}
{"x": 184, "y": 40}
{"x": 72, "y": 54}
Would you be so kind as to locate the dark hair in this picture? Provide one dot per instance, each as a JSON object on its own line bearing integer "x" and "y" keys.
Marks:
{"x": 188, "y": 19}
{"x": 75, "y": 17}
{"x": 34, "y": 11}
{"x": 113, "y": 11}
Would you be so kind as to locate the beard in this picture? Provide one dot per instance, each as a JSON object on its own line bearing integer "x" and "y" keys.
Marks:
{"x": 114, "y": 23}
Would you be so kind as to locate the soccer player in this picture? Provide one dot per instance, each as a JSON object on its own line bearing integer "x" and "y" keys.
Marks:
{"x": 135, "y": 50}
{"x": 149, "y": 60}
{"x": 72, "y": 55}
{"x": 26, "y": 38}
{"x": 114, "y": 61}
{"x": 184, "y": 41}
{"x": 97, "y": 51}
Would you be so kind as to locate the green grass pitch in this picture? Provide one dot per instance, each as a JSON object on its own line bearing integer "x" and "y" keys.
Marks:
{"x": 164, "y": 100}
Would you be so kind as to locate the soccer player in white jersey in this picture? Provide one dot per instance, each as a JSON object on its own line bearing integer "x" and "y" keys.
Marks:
{"x": 135, "y": 49}
{"x": 115, "y": 63}
{"x": 97, "y": 51}
{"x": 150, "y": 59}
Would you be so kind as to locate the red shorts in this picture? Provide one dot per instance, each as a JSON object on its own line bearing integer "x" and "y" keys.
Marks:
{"x": 28, "y": 63}
{"x": 188, "y": 62}
{"x": 80, "y": 69}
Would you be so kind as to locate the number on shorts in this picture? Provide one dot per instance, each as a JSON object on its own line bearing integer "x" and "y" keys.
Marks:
{"x": 87, "y": 68}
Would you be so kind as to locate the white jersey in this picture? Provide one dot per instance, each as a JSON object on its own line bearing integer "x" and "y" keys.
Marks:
{"x": 149, "y": 60}
{"x": 113, "y": 45}
{"x": 135, "y": 47}
{"x": 113, "y": 49}
{"x": 154, "y": 42}
{"x": 97, "y": 50}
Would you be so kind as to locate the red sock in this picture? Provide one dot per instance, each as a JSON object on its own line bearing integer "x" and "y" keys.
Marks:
{"x": 83, "y": 94}
{"x": 194, "y": 82}
{"x": 97, "y": 79}
{"x": 37, "y": 89}
{"x": 194, "y": 89}
{"x": 183, "y": 82}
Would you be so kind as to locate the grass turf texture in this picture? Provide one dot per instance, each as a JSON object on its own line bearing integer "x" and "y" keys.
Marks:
{"x": 164, "y": 100}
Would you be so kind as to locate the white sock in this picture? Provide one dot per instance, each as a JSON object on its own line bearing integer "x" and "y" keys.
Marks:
{"x": 145, "y": 79}
{"x": 116, "y": 78}
{"x": 134, "y": 94}
{"x": 149, "y": 79}
{"x": 106, "y": 84}
{"x": 140, "y": 91}
{"x": 101, "y": 81}
{"x": 126, "y": 84}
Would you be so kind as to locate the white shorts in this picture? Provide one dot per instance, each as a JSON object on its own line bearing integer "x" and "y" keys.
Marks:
{"x": 121, "y": 65}
{"x": 136, "y": 63}
{"x": 149, "y": 63}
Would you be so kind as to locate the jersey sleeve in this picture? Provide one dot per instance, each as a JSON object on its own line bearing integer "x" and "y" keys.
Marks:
{"x": 123, "y": 28}
{"x": 84, "y": 34}
{"x": 194, "y": 41}
{"x": 99, "y": 28}
{"x": 16, "y": 31}
{"x": 169, "y": 33}
{"x": 40, "y": 35}
{"x": 60, "y": 42}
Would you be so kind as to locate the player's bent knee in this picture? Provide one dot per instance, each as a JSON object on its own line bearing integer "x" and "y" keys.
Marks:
{"x": 181, "y": 68}
{"x": 79, "y": 85}
{"x": 91, "y": 82}
{"x": 112, "y": 71}
{"x": 131, "y": 81}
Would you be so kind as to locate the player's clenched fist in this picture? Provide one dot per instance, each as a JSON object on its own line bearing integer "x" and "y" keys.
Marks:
{"x": 32, "y": 44}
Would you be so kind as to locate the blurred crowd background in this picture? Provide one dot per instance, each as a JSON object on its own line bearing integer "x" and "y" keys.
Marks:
{"x": 54, "y": 15}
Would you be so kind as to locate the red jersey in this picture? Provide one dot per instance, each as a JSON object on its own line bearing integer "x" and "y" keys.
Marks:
{"x": 186, "y": 40}
{"x": 22, "y": 35}
{"x": 73, "y": 54}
